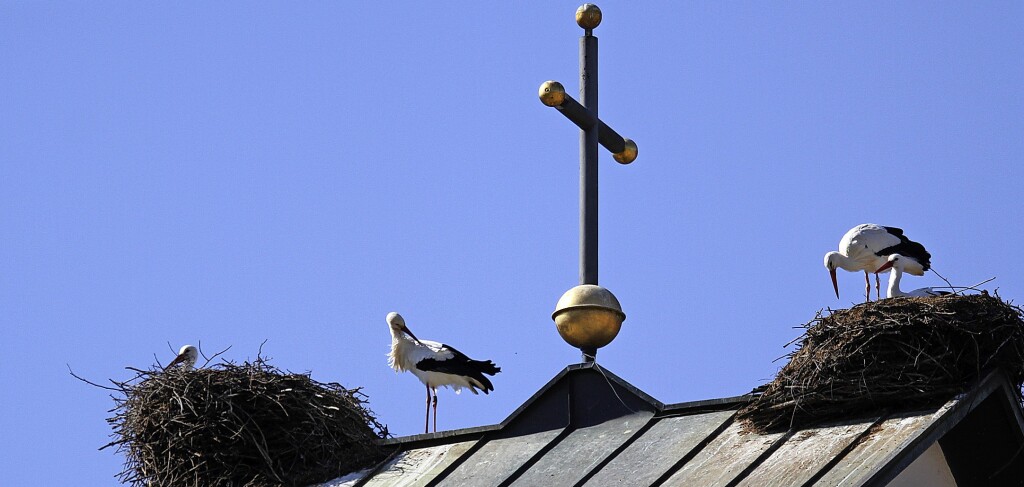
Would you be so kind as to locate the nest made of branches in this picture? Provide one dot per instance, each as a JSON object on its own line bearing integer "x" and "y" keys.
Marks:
{"x": 894, "y": 353}
{"x": 246, "y": 424}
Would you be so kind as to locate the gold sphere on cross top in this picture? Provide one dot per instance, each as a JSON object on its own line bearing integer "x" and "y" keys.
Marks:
{"x": 588, "y": 16}
{"x": 552, "y": 93}
{"x": 628, "y": 154}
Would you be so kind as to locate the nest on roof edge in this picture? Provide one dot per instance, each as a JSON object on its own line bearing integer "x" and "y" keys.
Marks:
{"x": 240, "y": 425}
{"x": 896, "y": 353}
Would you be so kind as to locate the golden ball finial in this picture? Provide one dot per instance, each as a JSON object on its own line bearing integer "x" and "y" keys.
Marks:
{"x": 627, "y": 155}
{"x": 588, "y": 16}
{"x": 588, "y": 316}
{"x": 552, "y": 93}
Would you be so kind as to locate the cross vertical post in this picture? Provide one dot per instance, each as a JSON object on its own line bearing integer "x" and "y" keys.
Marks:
{"x": 588, "y": 316}
{"x": 588, "y": 170}
{"x": 588, "y": 161}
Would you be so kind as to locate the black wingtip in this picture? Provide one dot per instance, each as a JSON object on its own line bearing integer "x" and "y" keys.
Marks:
{"x": 490, "y": 369}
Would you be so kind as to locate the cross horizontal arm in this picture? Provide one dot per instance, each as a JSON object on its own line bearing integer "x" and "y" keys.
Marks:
{"x": 583, "y": 119}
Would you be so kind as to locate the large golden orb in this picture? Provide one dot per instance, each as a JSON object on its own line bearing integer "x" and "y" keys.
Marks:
{"x": 588, "y": 16}
{"x": 628, "y": 154}
{"x": 588, "y": 316}
{"x": 551, "y": 93}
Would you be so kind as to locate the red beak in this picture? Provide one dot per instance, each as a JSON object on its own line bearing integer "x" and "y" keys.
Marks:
{"x": 835, "y": 285}
{"x": 887, "y": 265}
{"x": 406, "y": 330}
{"x": 177, "y": 360}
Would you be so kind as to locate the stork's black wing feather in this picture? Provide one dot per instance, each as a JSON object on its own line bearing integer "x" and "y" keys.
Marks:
{"x": 462, "y": 365}
{"x": 907, "y": 248}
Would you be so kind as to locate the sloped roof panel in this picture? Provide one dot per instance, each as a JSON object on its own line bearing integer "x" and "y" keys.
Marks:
{"x": 881, "y": 444}
{"x": 725, "y": 458}
{"x": 805, "y": 454}
{"x": 661, "y": 447}
{"x": 415, "y": 468}
{"x": 582, "y": 450}
{"x": 498, "y": 459}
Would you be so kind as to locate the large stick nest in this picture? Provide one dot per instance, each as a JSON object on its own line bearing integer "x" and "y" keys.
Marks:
{"x": 240, "y": 425}
{"x": 894, "y": 353}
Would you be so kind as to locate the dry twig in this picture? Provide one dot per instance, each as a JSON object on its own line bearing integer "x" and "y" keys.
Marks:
{"x": 246, "y": 424}
{"x": 893, "y": 353}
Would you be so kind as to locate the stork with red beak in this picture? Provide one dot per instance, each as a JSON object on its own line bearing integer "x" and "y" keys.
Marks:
{"x": 866, "y": 247}
{"x": 898, "y": 264}
{"x": 435, "y": 364}
{"x": 186, "y": 358}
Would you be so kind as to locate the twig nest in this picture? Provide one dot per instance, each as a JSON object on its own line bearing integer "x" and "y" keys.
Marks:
{"x": 901, "y": 352}
{"x": 241, "y": 425}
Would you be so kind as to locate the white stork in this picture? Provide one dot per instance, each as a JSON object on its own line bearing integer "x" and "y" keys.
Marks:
{"x": 865, "y": 248}
{"x": 897, "y": 262}
{"x": 186, "y": 358}
{"x": 435, "y": 364}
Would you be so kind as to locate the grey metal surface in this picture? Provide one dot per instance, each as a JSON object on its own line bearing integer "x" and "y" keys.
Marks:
{"x": 805, "y": 454}
{"x": 651, "y": 455}
{"x": 581, "y": 451}
{"x": 414, "y": 468}
{"x": 722, "y": 460}
{"x": 497, "y": 459}
{"x": 879, "y": 447}
{"x": 588, "y": 162}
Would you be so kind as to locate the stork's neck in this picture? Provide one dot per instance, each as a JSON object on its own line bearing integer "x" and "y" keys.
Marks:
{"x": 894, "y": 283}
{"x": 845, "y": 262}
{"x": 401, "y": 345}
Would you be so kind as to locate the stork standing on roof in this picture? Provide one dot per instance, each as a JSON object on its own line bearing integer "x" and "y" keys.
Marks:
{"x": 186, "y": 358}
{"x": 898, "y": 263}
{"x": 435, "y": 364}
{"x": 866, "y": 247}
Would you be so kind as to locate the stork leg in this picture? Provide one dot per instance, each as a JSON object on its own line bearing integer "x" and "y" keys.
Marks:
{"x": 867, "y": 285}
{"x": 435, "y": 410}
{"x": 878, "y": 286}
{"x": 426, "y": 424}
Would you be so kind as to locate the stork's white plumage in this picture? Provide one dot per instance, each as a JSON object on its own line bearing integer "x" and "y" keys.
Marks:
{"x": 898, "y": 263}
{"x": 865, "y": 248}
{"x": 186, "y": 358}
{"x": 435, "y": 364}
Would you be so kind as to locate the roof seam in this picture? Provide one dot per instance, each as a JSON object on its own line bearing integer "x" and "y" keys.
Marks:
{"x": 693, "y": 452}
{"x": 537, "y": 456}
{"x": 378, "y": 468}
{"x": 444, "y": 473}
{"x": 611, "y": 456}
{"x": 845, "y": 451}
{"x": 761, "y": 458}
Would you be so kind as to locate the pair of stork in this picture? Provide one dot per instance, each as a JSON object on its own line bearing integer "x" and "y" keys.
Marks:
{"x": 875, "y": 248}
{"x": 435, "y": 364}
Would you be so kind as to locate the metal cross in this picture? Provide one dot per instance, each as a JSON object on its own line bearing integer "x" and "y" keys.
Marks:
{"x": 592, "y": 132}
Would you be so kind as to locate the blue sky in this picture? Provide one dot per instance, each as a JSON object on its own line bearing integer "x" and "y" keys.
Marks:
{"x": 235, "y": 172}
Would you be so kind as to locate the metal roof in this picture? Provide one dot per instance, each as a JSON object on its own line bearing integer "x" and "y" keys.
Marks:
{"x": 589, "y": 427}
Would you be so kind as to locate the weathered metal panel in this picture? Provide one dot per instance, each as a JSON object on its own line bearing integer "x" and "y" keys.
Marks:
{"x": 497, "y": 459}
{"x": 347, "y": 480}
{"x": 879, "y": 447}
{"x": 414, "y": 468}
{"x": 651, "y": 455}
{"x": 581, "y": 450}
{"x": 804, "y": 454}
{"x": 724, "y": 458}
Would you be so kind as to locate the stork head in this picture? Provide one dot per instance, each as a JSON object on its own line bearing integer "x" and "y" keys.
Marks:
{"x": 831, "y": 262}
{"x": 187, "y": 357}
{"x": 896, "y": 261}
{"x": 397, "y": 324}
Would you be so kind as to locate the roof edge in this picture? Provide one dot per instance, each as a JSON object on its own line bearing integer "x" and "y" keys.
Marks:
{"x": 995, "y": 381}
